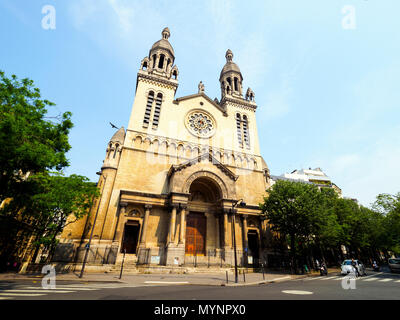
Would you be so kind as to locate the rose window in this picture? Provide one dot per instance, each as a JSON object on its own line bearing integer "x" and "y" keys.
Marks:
{"x": 200, "y": 124}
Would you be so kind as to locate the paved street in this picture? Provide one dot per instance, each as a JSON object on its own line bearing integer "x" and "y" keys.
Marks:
{"x": 381, "y": 285}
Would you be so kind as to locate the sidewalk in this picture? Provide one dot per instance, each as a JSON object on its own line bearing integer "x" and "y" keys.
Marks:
{"x": 215, "y": 279}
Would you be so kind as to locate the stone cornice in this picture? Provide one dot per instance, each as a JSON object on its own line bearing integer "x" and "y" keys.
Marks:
{"x": 157, "y": 80}
{"x": 241, "y": 103}
{"x": 191, "y": 144}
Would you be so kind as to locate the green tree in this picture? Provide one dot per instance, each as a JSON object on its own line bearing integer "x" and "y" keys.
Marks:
{"x": 59, "y": 202}
{"x": 33, "y": 201}
{"x": 389, "y": 206}
{"x": 295, "y": 210}
{"x": 30, "y": 142}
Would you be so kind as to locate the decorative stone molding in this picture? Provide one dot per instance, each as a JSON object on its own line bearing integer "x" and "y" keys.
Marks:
{"x": 188, "y": 150}
{"x": 222, "y": 167}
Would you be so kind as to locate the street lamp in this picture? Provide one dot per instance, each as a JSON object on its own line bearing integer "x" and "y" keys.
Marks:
{"x": 87, "y": 246}
{"x": 234, "y": 204}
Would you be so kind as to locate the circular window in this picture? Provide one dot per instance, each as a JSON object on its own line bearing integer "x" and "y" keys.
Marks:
{"x": 200, "y": 123}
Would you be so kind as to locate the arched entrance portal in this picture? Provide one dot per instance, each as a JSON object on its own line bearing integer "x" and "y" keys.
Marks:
{"x": 204, "y": 194}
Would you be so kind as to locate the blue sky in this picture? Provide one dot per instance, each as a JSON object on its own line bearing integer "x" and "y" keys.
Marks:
{"x": 328, "y": 96}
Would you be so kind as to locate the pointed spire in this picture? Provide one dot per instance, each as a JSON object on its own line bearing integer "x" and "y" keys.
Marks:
{"x": 229, "y": 55}
{"x": 119, "y": 136}
{"x": 165, "y": 33}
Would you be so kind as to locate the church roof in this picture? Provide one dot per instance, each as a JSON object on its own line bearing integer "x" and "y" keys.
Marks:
{"x": 119, "y": 136}
{"x": 230, "y": 66}
{"x": 163, "y": 43}
{"x": 202, "y": 94}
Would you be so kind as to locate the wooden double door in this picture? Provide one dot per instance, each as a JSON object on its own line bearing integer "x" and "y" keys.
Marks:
{"x": 196, "y": 228}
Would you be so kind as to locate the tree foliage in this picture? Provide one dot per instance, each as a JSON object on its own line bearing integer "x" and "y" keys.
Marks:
{"x": 35, "y": 201}
{"x": 312, "y": 218}
{"x": 30, "y": 143}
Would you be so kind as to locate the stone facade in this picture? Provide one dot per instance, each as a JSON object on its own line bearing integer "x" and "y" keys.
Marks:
{"x": 171, "y": 183}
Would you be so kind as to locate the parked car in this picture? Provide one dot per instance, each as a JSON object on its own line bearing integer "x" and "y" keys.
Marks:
{"x": 347, "y": 267}
{"x": 394, "y": 264}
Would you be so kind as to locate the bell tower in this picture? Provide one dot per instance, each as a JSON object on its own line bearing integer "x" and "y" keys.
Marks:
{"x": 231, "y": 78}
{"x": 157, "y": 82}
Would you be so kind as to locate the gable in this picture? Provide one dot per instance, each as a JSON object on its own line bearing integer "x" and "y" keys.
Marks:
{"x": 209, "y": 156}
{"x": 206, "y": 98}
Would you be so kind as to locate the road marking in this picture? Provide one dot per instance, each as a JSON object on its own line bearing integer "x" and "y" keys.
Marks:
{"x": 297, "y": 292}
{"x": 22, "y": 294}
{"x": 38, "y": 290}
{"x": 309, "y": 279}
{"x": 338, "y": 278}
{"x": 166, "y": 282}
{"x": 373, "y": 275}
{"x": 5, "y": 298}
{"x": 329, "y": 278}
{"x": 385, "y": 280}
{"x": 397, "y": 281}
{"x": 370, "y": 279}
{"x": 66, "y": 288}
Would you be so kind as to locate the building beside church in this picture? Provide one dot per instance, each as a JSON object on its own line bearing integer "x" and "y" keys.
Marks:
{"x": 182, "y": 179}
{"x": 314, "y": 176}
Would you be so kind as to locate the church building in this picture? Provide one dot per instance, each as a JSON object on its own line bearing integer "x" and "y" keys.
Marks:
{"x": 181, "y": 185}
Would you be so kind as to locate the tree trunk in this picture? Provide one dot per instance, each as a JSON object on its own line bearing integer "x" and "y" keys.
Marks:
{"x": 293, "y": 254}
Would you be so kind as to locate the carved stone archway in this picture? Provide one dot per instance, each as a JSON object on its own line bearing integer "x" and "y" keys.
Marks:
{"x": 207, "y": 175}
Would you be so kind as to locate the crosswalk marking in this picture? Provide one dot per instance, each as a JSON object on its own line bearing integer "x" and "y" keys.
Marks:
{"x": 397, "y": 281}
{"x": 22, "y": 294}
{"x": 338, "y": 278}
{"x": 370, "y": 279}
{"x": 67, "y": 288}
{"x": 329, "y": 278}
{"x": 36, "y": 290}
{"x": 385, "y": 280}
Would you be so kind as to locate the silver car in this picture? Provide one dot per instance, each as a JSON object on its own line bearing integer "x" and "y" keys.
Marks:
{"x": 348, "y": 268}
{"x": 394, "y": 264}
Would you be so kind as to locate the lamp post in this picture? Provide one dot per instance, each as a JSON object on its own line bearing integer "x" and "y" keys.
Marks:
{"x": 234, "y": 204}
{"x": 87, "y": 246}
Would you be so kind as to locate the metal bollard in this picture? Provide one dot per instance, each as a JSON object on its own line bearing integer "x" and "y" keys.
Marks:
{"x": 227, "y": 277}
{"x": 244, "y": 275}
{"x": 262, "y": 267}
{"x": 122, "y": 265}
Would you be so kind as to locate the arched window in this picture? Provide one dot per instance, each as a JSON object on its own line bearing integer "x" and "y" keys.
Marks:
{"x": 149, "y": 105}
{"x": 109, "y": 150}
{"x": 154, "y": 60}
{"x": 115, "y": 151}
{"x": 242, "y": 128}
{"x": 161, "y": 62}
{"x": 236, "y": 84}
{"x": 246, "y": 136}
{"x": 239, "y": 129}
{"x": 156, "y": 116}
{"x": 175, "y": 75}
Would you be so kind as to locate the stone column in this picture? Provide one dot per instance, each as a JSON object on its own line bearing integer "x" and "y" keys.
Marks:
{"x": 121, "y": 219}
{"x": 225, "y": 228}
{"x": 183, "y": 225}
{"x": 245, "y": 239}
{"x": 145, "y": 223}
{"x": 171, "y": 233}
{"x": 217, "y": 229}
